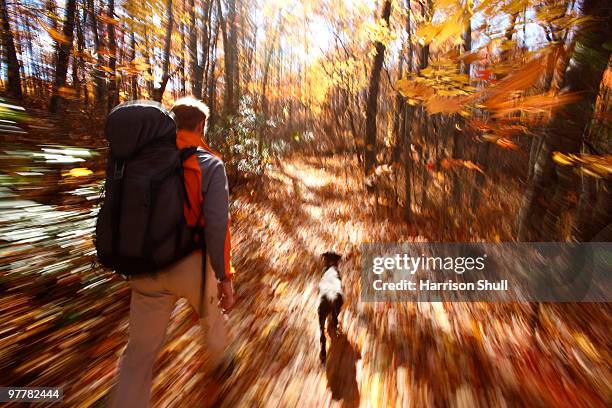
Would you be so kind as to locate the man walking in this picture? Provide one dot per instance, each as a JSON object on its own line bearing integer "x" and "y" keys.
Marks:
{"x": 209, "y": 293}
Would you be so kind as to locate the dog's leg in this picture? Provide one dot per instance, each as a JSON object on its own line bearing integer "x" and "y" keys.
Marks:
{"x": 335, "y": 312}
{"x": 323, "y": 312}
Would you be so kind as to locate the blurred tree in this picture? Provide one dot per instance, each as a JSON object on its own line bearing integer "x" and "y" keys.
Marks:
{"x": 229, "y": 35}
{"x": 113, "y": 86}
{"x": 78, "y": 61}
{"x": 549, "y": 191}
{"x": 372, "y": 103}
{"x": 63, "y": 46}
{"x": 134, "y": 77}
{"x": 97, "y": 72}
{"x": 458, "y": 128}
{"x": 197, "y": 69}
{"x": 158, "y": 92}
{"x": 12, "y": 63}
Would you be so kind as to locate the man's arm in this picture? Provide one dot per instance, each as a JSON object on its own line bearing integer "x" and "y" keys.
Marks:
{"x": 216, "y": 215}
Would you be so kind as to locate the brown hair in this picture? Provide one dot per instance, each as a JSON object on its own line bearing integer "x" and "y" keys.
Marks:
{"x": 189, "y": 112}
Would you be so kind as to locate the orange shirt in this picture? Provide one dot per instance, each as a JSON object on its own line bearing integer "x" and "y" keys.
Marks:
{"x": 193, "y": 176}
{"x": 193, "y": 187}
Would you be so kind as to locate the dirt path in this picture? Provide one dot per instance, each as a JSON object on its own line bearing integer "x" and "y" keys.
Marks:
{"x": 389, "y": 354}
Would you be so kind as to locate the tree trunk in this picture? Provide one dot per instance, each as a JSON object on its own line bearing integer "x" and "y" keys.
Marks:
{"x": 264, "y": 98}
{"x": 134, "y": 78}
{"x": 397, "y": 117}
{"x": 99, "y": 74}
{"x": 12, "y": 63}
{"x": 594, "y": 210}
{"x": 229, "y": 51}
{"x": 372, "y": 102}
{"x": 405, "y": 128}
{"x": 460, "y": 123}
{"x": 482, "y": 155}
{"x": 35, "y": 75}
{"x": 147, "y": 57}
{"x": 423, "y": 118}
{"x": 158, "y": 93}
{"x": 266, "y": 70}
{"x": 207, "y": 35}
{"x": 549, "y": 192}
{"x": 82, "y": 81}
{"x": 75, "y": 59}
{"x": 183, "y": 60}
{"x": 233, "y": 37}
{"x": 113, "y": 88}
{"x": 196, "y": 67}
{"x": 63, "y": 56}
{"x": 212, "y": 80}
{"x": 553, "y": 79}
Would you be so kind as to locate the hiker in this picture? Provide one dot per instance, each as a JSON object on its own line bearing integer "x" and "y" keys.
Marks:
{"x": 154, "y": 295}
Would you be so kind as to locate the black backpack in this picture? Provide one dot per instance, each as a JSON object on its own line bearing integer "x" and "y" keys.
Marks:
{"x": 141, "y": 225}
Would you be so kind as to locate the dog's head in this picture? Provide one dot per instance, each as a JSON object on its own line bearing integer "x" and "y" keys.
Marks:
{"x": 331, "y": 258}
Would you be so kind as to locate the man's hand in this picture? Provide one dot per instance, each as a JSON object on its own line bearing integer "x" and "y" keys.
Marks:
{"x": 225, "y": 293}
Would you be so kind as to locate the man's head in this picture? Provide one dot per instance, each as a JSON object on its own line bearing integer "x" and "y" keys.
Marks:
{"x": 190, "y": 114}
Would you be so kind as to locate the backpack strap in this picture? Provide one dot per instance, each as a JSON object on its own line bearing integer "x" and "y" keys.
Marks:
{"x": 186, "y": 153}
{"x": 117, "y": 200}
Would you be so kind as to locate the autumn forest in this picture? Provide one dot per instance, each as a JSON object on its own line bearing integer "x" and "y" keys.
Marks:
{"x": 340, "y": 122}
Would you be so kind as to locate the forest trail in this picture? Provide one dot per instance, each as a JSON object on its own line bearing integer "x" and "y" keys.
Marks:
{"x": 407, "y": 354}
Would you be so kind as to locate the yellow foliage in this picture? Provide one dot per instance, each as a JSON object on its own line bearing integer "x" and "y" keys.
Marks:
{"x": 443, "y": 104}
{"x": 66, "y": 92}
{"x": 77, "y": 172}
{"x": 535, "y": 105}
{"x": 448, "y": 29}
{"x": 520, "y": 80}
{"x": 448, "y": 163}
{"x": 139, "y": 64}
{"x": 587, "y": 346}
{"x": 440, "y": 86}
{"x": 607, "y": 78}
{"x": 55, "y": 34}
{"x": 108, "y": 20}
{"x": 380, "y": 32}
{"x": 413, "y": 88}
{"x": 592, "y": 165}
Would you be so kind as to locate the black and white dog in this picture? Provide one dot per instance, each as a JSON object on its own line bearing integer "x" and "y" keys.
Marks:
{"x": 330, "y": 297}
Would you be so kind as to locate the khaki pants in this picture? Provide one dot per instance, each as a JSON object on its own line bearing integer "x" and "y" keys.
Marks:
{"x": 153, "y": 299}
